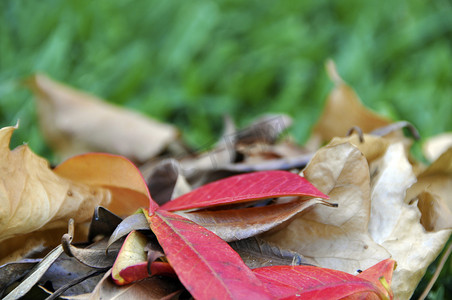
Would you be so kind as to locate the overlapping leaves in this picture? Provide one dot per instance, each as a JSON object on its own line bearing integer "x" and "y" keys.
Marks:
{"x": 269, "y": 234}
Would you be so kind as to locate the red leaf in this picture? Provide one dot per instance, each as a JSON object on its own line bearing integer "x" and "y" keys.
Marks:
{"x": 206, "y": 265}
{"x": 140, "y": 271}
{"x": 115, "y": 172}
{"x": 245, "y": 187}
{"x": 312, "y": 282}
{"x": 373, "y": 274}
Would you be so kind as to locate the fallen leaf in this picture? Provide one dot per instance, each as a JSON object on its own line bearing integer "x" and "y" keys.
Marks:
{"x": 375, "y": 273}
{"x": 342, "y": 111}
{"x": 435, "y": 215}
{"x": 66, "y": 272}
{"x": 94, "y": 256}
{"x": 75, "y": 283}
{"x": 205, "y": 273}
{"x": 74, "y": 122}
{"x": 103, "y": 223}
{"x": 136, "y": 221}
{"x": 238, "y": 224}
{"x": 335, "y": 238}
{"x": 149, "y": 288}
{"x": 245, "y": 187}
{"x": 372, "y": 147}
{"x": 132, "y": 254}
{"x": 35, "y": 274}
{"x": 257, "y": 253}
{"x": 436, "y": 179}
{"x": 395, "y": 223}
{"x": 437, "y": 145}
{"x": 11, "y": 272}
{"x": 114, "y": 172}
{"x": 310, "y": 282}
{"x": 33, "y": 197}
{"x": 167, "y": 182}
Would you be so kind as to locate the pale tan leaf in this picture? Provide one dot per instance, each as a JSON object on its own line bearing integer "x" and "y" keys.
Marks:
{"x": 436, "y": 179}
{"x": 437, "y": 145}
{"x": 395, "y": 224}
{"x": 372, "y": 146}
{"x": 74, "y": 122}
{"x": 33, "y": 197}
{"x": 336, "y": 238}
{"x": 435, "y": 215}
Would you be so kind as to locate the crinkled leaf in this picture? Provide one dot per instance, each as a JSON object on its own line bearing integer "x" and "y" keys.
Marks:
{"x": 74, "y": 122}
{"x": 257, "y": 253}
{"x": 238, "y": 224}
{"x": 310, "y": 282}
{"x": 199, "y": 257}
{"x": 34, "y": 197}
{"x": 335, "y": 238}
{"x": 435, "y": 214}
{"x": 245, "y": 187}
{"x": 114, "y": 172}
{"x": 395, "y": 223}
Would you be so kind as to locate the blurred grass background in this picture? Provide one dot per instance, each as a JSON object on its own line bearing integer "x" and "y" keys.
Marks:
{"x": 190, "y": 62}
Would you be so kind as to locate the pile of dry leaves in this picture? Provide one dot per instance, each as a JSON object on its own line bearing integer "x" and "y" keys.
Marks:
{"x": 256, "y": 216}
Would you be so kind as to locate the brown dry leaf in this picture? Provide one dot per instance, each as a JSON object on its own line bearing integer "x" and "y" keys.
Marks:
{"x": 437, "y": 145}
{"x": 395, "y": 224}
{"x": 336, "y": 238}
{"x": 237, "y": 224}
{"x": 33, "y": 197}
{"x": 343, "y": 110}
{"x": 74, "y": 122}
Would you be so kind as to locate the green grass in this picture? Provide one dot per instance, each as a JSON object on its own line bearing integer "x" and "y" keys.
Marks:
{"x": 191, "y": 62}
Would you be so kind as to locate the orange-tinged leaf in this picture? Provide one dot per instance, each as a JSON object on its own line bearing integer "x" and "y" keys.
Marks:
{"x": 205, "y": 264}
{"x": 309, "y": 282}
{"x": 245, "y": 187}
{"x": 115, "y": 172}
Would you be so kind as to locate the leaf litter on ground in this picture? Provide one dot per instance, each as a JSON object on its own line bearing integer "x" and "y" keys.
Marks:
{"x": 273, "y": 218}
